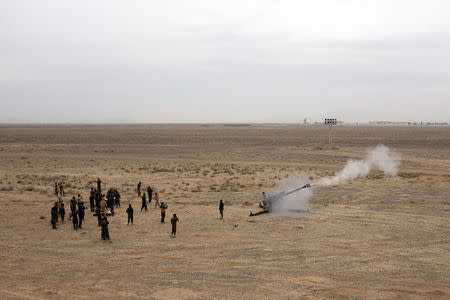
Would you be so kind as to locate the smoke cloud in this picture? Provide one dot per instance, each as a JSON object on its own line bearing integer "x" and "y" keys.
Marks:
{"x": 381, "y": 158}
{"x": 295, "y": 203}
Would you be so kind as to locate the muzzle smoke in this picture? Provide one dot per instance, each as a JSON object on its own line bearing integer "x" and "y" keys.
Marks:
{"x": 297, "y": 202}
{"x": 380, "y": 157}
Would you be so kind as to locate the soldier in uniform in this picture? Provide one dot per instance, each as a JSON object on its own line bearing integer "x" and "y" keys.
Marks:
{"x": 92, "y": 200}
{"x": 99, "y": 185}
{"x": 59, "y": 203}
{"x": 156, "y": 200}
{"x": 174, "y": 221}
{"x": 163, "y": 211}
{"x": 150, "y": 194}
{"x": 98, "y": 198}
{"x": 73, "y": 204}
{"x": 110, "y": 203}
{"x": 104, "y": 223}
{"x": 221, "y": 205}
{"x": 117, "y": 200}
{"x": 144, "y": 203}
{"x": 74, "y": 217}
{"x": 139, "y": 188}
{"x": 103, "y": 205}
{"x": 81, "y": 209}
{"x": 98, "y": 213}
{"x": 54, "y": 213}
{"x": 61, "y": 189}
{"x": 62, "y": 212}
{"x": 130, "y": 214}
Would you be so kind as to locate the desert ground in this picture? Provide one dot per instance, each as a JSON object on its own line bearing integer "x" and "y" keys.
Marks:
{"x": 371, "y": 238}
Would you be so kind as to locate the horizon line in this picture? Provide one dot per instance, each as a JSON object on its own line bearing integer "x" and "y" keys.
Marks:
{"x": 374, "y": 123}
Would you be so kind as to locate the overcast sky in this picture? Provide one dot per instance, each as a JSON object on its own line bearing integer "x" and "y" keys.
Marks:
{"x": 224, "y": 61}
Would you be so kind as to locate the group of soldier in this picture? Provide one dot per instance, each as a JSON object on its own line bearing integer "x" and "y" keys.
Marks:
{"x": 162, "y": 206}
{"x": 150, "y": 194}
{"x": 59, "y": 188}
{"x": 103, "y": 207}
{"x": 76, "y": 212}
{"x": 77, "y": 209}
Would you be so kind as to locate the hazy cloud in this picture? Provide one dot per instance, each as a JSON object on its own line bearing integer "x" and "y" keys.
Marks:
{"x": 230, "y": 61}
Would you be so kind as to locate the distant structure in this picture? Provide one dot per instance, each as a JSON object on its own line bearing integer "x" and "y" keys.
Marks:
{"x": 330, "y": 123}
{"x": 305, "y": 121}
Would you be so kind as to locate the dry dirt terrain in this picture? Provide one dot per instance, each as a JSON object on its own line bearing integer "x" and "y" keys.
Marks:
{"x": 372, "y": 238}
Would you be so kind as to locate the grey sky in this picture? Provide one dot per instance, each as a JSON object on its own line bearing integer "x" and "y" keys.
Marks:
{"x": 224, "y": 61}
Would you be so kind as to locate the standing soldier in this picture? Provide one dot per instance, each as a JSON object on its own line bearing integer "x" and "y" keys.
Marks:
{"x": 150, "y": 194}
{"x": 156, "y": 200}
{"x": 139, "y": 188}
{"x": 98, "y": 213}
{"x": 110, "y": 202}
{"x": 99, "y": 185}
{"x": 59, "y": 202}
{"x": 62, "y": 212}
{"x": 81, "y": 209}
{"x": 103, "y": 205}
{"x": 130, "y": 214}
{"x": 117, "y": 200}
{"x": 92, "y": 200}
{"x": 54, "y": 213}
{"x": 144, "y": 203}
{"x": 74, "y": 217}
{"x": 104, "y": 223}
{"x": 73, "y": 204}
{"x": 61, "y": 189}
{"x": 174, "y": 221}
{"x": 56, "y": 189}
{"x": 221, "y": 208}
{"x": 98, "y": 197}
{"x": 163, "y": 211}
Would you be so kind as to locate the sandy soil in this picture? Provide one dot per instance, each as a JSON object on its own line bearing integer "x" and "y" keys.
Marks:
{"x": 374, "y": 238}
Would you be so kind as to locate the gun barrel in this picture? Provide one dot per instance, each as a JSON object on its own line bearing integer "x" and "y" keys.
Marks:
{"x": 298, "y": 189}
{"x": 269, "y": 200}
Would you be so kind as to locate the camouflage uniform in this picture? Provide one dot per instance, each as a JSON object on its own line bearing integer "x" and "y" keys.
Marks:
{"x": 104, "y": 223}
{"x": 174, "y": 221}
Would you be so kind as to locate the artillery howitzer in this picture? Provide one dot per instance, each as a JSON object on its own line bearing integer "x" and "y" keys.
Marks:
{"x": 268, "y": 202}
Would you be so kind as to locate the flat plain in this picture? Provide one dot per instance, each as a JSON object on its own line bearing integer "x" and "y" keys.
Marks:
{"x": 371, "y": 238}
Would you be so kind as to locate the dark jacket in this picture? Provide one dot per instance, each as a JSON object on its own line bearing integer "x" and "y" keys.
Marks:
{"x": 174, "y": 221}
{"x": 81, "y": 209}
{"x": 73, "y": 205}
{"x": 74, "y": 217}
{"x": 54, "y": 212}
{"x": 130, "y": 211}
